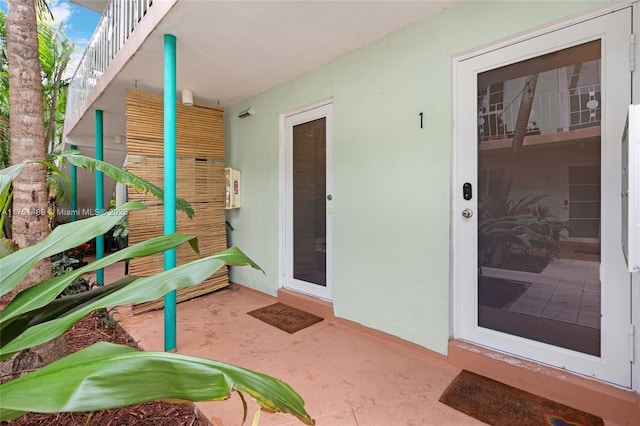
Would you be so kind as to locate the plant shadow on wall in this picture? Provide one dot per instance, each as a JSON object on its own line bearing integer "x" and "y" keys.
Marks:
{"x": 518, "y": 234}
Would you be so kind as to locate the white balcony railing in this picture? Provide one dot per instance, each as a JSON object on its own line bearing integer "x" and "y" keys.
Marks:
{"x": 558, "y": 111}
{"x": 119, "y": 20}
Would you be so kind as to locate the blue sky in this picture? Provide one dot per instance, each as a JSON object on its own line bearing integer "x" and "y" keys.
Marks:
{"x": 78, "y": 23}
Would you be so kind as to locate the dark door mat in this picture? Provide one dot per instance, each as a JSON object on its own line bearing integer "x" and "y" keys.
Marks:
{"x": 499, "y": 404}
{"x": 285, "y": 317}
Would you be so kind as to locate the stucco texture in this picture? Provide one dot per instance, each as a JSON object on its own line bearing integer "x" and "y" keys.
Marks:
{"x": 391, "y": 179}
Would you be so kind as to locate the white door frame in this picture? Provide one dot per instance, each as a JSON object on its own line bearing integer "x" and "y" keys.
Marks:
{"x": 323, "y": 108}
{"x": 615, "y": 309}
{"x": 635, "y": 284}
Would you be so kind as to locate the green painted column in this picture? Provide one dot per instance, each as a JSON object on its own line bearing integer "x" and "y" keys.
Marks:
{"x": 170, "y": 181}
{"x": 74, "y": 190}
{"x": 99, "y": 191}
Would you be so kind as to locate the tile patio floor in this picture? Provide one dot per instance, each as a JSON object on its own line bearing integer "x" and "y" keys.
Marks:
{"x": 347, "y": 376}
{"x": 567, "y": 290}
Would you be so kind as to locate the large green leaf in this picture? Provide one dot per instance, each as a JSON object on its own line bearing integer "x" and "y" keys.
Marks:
{"x": 7, "y": 246}
{"x": 125, "y": 177}
{"x": 40, "y": 294}
{"x": 100, "y": 377}
{"x": 16, "y": 266}
{"x": 8, "y": 174}
{"x": 5, "y": 203}
{"x": 57, "y": 308}
{"x": 141, "y": 290}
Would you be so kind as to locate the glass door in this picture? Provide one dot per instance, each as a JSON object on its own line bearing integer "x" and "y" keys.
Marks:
{"x": 531, "y": 282}
{"x": 308, "y": 198}
{"x": 538, "y": 265}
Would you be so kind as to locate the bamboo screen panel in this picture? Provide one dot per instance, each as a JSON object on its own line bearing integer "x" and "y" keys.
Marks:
{"x": 200, "y": 180}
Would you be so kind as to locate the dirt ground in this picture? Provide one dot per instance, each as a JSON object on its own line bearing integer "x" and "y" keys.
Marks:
{"x": 86, "y": 332}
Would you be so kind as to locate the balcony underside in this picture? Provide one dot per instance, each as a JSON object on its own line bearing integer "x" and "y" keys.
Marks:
{"x": 585, "y": 134}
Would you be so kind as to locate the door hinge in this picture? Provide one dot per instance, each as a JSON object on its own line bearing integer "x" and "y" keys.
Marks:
{"x": 632, "y": 343}
{"x": 632, "y": 52}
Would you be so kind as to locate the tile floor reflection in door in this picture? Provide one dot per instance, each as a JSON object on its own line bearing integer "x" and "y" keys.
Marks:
{"x": 561, "y": 306}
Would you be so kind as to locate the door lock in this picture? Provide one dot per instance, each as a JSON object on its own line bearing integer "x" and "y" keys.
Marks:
{"x": 467, "y": 213}
{"x": 467, "y": 192}
{"x": 329, "y": 197}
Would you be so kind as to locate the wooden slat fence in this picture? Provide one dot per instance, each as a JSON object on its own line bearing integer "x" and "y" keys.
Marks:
{"x": 200, "y": 180}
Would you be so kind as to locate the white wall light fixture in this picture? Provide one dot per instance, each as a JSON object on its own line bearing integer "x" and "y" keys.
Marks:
{"x": 187, "y": 97}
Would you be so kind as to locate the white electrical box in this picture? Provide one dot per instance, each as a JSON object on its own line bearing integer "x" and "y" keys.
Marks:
{"x": 233, "y": 188}
{"x": 631, "y": 189}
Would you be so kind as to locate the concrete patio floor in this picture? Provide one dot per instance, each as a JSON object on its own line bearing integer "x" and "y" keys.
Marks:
{"x": 346, "y": 374}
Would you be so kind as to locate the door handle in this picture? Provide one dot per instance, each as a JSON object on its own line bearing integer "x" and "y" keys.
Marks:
{"x": 467, "y": 213}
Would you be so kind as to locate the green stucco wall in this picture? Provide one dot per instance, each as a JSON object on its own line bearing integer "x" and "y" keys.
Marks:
{"x": 391, "y": 178}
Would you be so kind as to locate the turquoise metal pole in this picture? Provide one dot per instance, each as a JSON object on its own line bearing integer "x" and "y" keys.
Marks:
{"x": 74, "y": 190}
{"x": 99, "y": 191}
{"x": 170, "y": 181}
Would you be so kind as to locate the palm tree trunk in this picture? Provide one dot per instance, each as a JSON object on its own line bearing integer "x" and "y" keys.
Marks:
{"x": 27, "y": 127}
{"x": 520, "y": 131}
{"x": 26, "y": 121}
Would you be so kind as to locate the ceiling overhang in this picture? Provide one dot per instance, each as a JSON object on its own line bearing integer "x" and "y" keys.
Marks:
{"x": 228, "y": 51}
{"x": 95, "y": 5}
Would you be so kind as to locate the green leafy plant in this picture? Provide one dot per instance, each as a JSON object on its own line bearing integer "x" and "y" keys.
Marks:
{"x": 121, "y": 230}
{"x": 106, "y": 317}
{"x": 64, "y": 264}
{"x": 76, "y": 159}
{"x": 80, "y": 252}
{"x": 524, "y": 226}
{"x": 99, "y": 377}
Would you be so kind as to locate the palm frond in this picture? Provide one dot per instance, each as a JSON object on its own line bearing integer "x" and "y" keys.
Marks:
{"x": 122, "y": 176}
{"x": 60, "y": 186}
{"x": 43, "y": 10}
